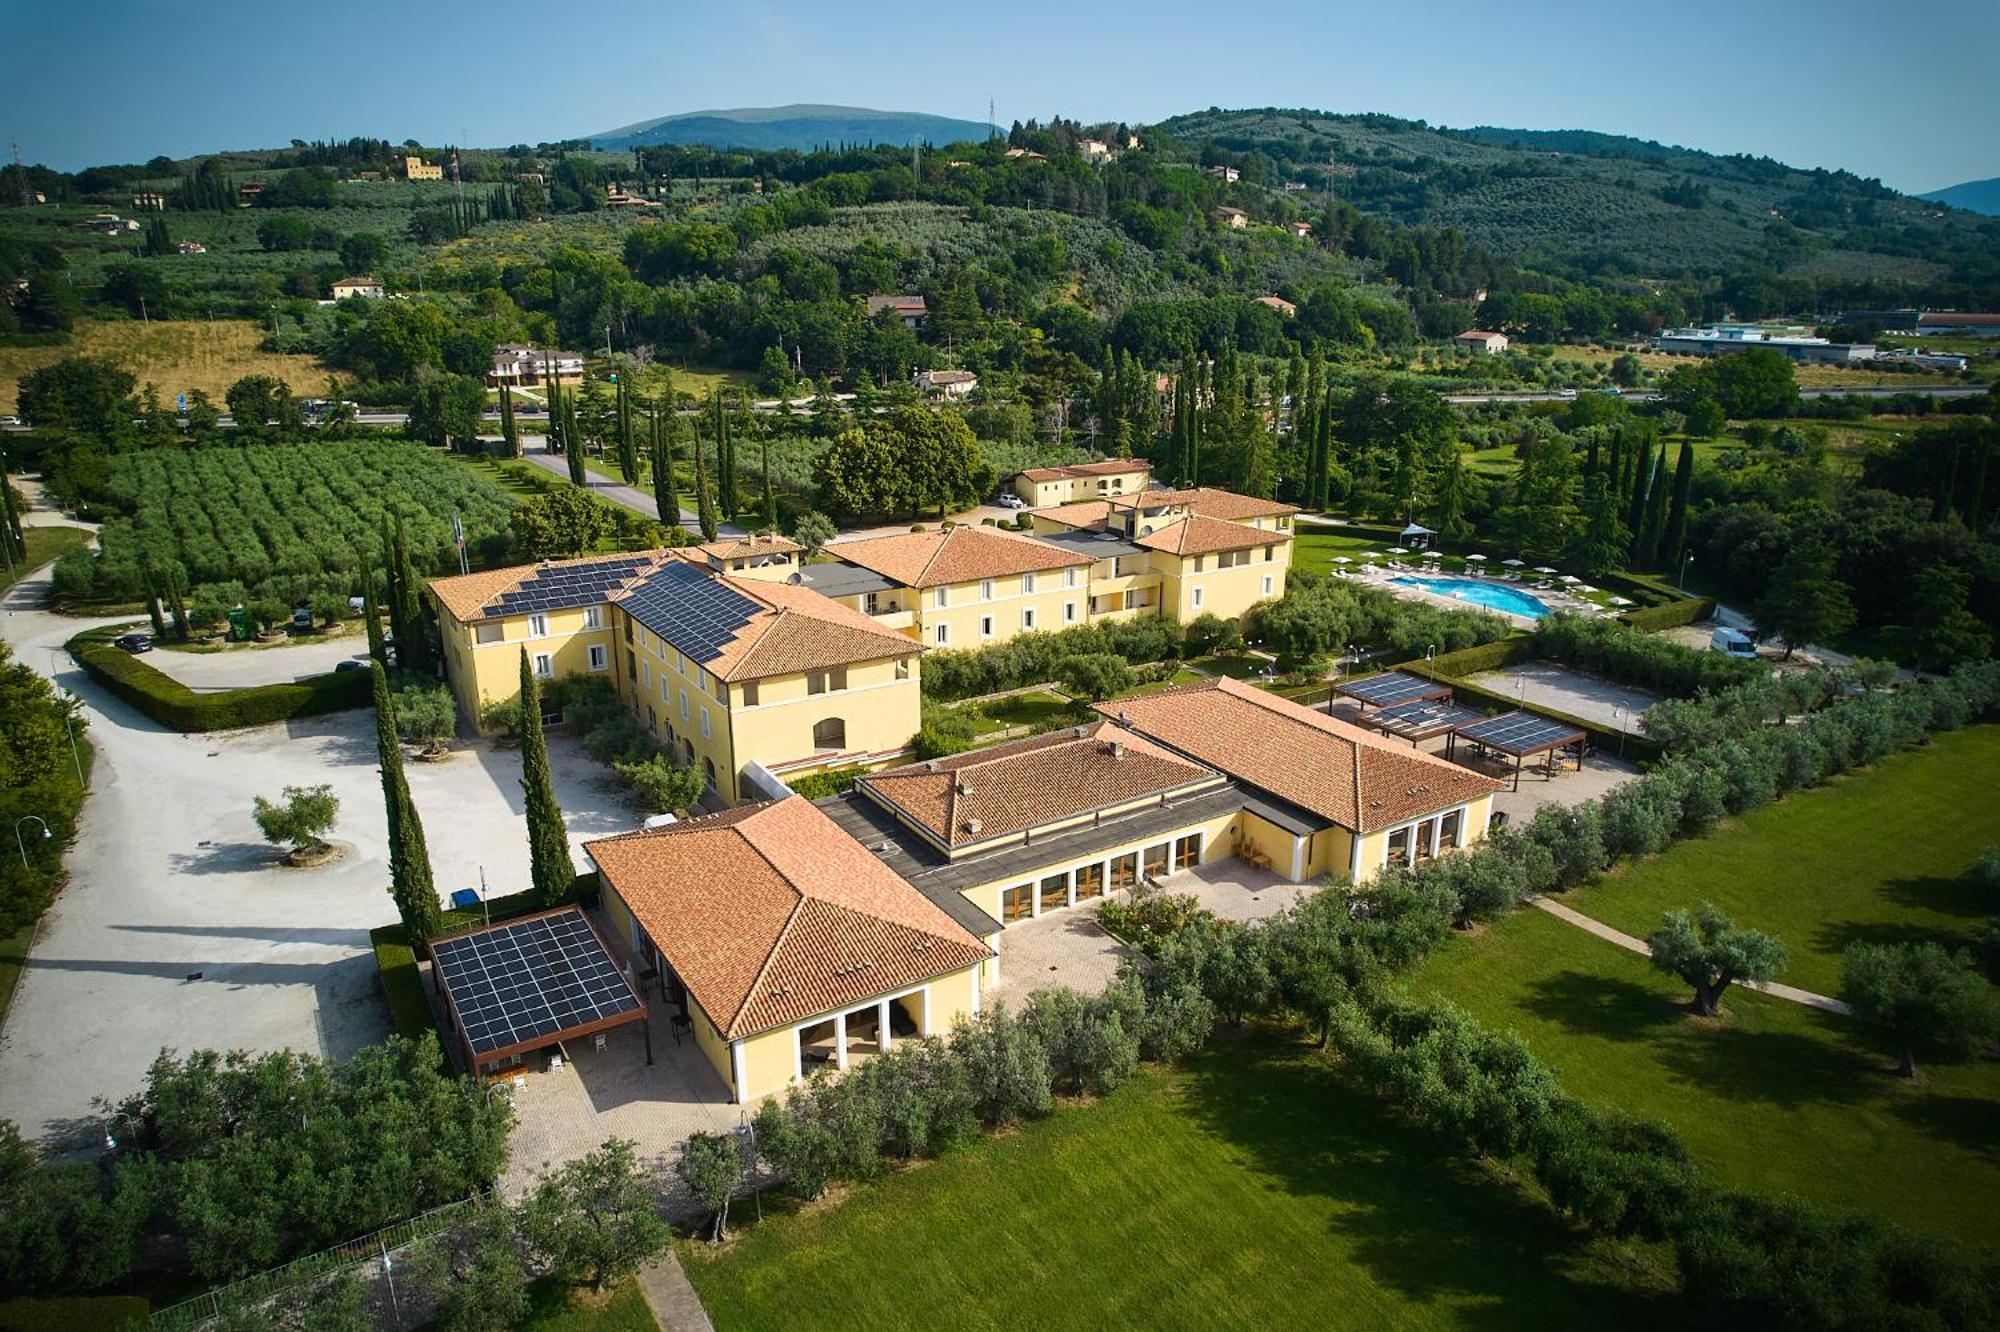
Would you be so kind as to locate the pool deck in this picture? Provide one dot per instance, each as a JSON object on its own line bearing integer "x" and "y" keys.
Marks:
{"x": 1555, "y": 597}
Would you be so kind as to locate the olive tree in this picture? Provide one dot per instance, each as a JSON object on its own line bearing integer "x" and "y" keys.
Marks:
{"x": 1709, "y": 952}
{"x": 712, "y": 1169}
{"x": 301, "y": 818}
{"x": 594, "y": 1219}
{"x": 1928, "y": 999}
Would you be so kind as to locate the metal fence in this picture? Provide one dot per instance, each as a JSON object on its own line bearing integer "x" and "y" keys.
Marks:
{"x": 190, "y": 1314}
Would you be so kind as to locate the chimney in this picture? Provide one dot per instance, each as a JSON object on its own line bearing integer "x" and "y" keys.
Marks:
{"x": 972, "y": 826}
{"x": 930, "y": 765}
{"x": 963, "y": 787}
{"x": 1117, "y": 749}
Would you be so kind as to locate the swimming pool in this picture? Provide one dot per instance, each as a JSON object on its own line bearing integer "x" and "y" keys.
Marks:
{"x": 1491, "y": 596}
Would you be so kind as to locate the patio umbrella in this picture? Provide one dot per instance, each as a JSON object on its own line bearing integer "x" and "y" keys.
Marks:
{"x": 1543, "y": 568}
{"x": 1342, "y": 559}
{"x": 1480, "y": 558}
{"x": 1371, "y": 554}
{"x": 1570, "y": 578}
{"x": 1621, "y": 601}
{"x": 1515, "y": 564}
{"x": 1400, "y": 550}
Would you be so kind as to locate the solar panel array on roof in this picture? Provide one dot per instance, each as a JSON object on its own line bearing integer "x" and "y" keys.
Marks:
{"x": 566, "y": 586}
{"x": 1521, "y": 733}
{"x": 523, "y": 983}
{"x": 1423, "y": 718}
{"x": 1392, "y": 687}
{"x": 695, "y": 612}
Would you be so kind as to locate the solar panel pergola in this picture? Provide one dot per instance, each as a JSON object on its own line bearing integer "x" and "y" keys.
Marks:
{"x": 1392, "y": 687}
{"x": 1521, "y": 735}
{"x": 1423, "y": 719}
{"x": 526, "y": 984}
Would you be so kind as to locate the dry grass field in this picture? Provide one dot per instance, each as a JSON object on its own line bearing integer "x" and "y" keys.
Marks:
{"x": 178, "y": 356}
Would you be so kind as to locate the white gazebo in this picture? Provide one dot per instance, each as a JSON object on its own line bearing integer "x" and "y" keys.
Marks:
{"x": 1418, "y": 536}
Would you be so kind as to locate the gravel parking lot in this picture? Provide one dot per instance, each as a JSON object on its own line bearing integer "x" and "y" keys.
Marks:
{"x": 178, "y": 927}
{"x": 1546, "y": 685}
{"x": 242, "y": 667}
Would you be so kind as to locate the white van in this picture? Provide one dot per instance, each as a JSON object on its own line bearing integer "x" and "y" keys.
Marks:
{"x": 1732, "y": 642}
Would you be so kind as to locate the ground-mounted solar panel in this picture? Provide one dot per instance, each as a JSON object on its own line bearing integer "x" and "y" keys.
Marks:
{"x": 1393, "y": 687}
{"x": 526, "y": 982}
{"x": 1522, "y": 733}
{"x": 692, "y": 610}
{"x": 1423, "y": 718}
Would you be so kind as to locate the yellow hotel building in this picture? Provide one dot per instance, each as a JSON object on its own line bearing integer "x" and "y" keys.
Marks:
{"x": 810, "y": 934}
{"x": 725, "y": 663}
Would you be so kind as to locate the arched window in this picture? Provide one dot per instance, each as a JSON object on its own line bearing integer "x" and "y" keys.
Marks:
{"x": 830, "y": 734}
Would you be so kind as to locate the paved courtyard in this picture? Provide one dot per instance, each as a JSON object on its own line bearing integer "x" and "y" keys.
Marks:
{"x": 180, "y": 929}
{"x": 1064, "y": 947}
{"x": 1543, "y": 684}
{"x": 241, "y": 667}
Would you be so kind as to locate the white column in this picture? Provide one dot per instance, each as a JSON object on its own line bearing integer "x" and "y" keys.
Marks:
{"x": 1070, "y": 876}
{"x": 798, "y": 1053}
{"x": 840, "y": 1040}
{"x": 1437, "y": 826}
{"x": 1354, "y": 860}
{"x": 1298, "y": 857}
{"x": 924, "y": 1006}
{"x": 883, "y": 1040}
{"x": 736, "y": 1065}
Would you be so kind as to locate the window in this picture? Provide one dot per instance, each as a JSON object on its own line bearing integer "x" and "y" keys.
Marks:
{"x": 1156, "y": 859}
{"x": 1089, "y": 882}
{"x": 830, "y": 734}
{"x": 489, "y": 633}
{"x": 1017, "y": 903}
{"x": 1270, "y": 553}
{"x": 1055, "y": 891}
{"x": 986, "y": 589}
{"x": 538, "y": 626}
{"x": 593, "y": 617}
{"x": 645, "y": 674}
{"x": 628, "y": 628}
{"x": 631, "y": 664}
{"x": 652, "y": 718}
{"x": 1028, "y": 618}
{"x": 1399, "y": 847}
{"x": 708, "y": 772}
{"x": 1125, "y": 871}
{"x": 704, "y": 724}
{"x": 902, "y": 668}
{"x": 1187, "y": 852}
{"x": 1134, "y": 599}
{"x": 986, "y": 626}
{"x": 941, "y": 597}
{"x": 684, "y": 705}
{"x": 1197, "y": 598}
{"x": 872, "y": 603}
{"x": 1069, "y": 612}
{"x": 943, "y": 631}
{"x": 1448, "y": 830}
{"x": 545, "y": 666}
{"x": 599, "y": 658}
{"x": 749, "y": 693}
{"x": 1197, "y": 564}
{"x": 1265, "y": 588}
{"x": 1069, "y": 577}
{"x": 1424, "y": 831}
{"x": 1027, "y": 583}
{"x": 820, "y": 682}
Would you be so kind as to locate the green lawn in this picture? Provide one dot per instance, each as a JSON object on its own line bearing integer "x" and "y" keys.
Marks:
{"x": 1251, "y": 1189}
{"x": 1774, "y": 1098}
{"x": 1034, "y": 708}
{"x": 1877, "y": 856}
{"x": 44, "y": 544}
{"x": 1313, "y": 546}
{"x": 1237, "y": 666}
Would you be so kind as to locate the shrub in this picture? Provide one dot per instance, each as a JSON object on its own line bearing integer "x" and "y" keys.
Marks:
{"x": 1150, "y": 917}
{"x": 662, "y": 785}
{"x": 306, "y": 814}
{"x": 829, "y": 782}
{"x": 944, "y": 731}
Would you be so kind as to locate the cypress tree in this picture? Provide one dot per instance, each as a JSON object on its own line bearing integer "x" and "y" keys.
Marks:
{"x": 551, "y": 871}
{"x": 509, "y": 429}
{"x": 1676, "y": 533}
{"x": 371, "y": 612}
{"x": 413, "y": 643}
{"x": 572, "y": 443}
{"x": 1635, "y": 507}
{"x": 1656, "y": 512}
{"x": 725, "y": 461}
{"x": 628, "y": 454}
{"x": 153, "y": 603}
{"x": 390, "y": 591}
{"x": 770, "y": 495}
{"x": 176, "y": 599}
{"x": 410, "y": 881}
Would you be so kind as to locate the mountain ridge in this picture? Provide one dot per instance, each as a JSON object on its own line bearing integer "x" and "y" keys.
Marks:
{"x": 798, "y": 125}
{"x": 1974, "y": 196}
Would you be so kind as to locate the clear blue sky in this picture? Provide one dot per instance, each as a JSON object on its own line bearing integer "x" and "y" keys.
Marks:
{"x": 1903, "y": 92}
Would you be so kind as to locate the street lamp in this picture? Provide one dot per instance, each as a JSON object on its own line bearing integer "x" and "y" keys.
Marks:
{"x": 18, "y": 841}
{"x": 1686, "y": 560}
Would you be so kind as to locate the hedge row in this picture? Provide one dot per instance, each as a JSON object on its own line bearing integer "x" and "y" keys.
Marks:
{"x": 173, "y": 705}
{"x": 1473, "y": 660}
{"x": 1674, "y": 614}
{"x": 828, "y": 782}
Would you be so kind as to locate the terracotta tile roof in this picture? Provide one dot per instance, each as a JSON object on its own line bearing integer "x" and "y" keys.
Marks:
{"x": 989, "y": 793}
{"x": 471, "y": 596}
{"x": 927, "y": 559}
{"x": 1196, "y": 535}
{"x": 1353, "y": 777}
{"x": 1208, "y": 501}
{"x": 731, "y": 548}
{"x": 1084, "y": 513}
{"x": 770, "y": 914}
{"x": 1104, "y": 467}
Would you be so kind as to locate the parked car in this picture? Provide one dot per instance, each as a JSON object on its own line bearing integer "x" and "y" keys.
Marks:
{"x": 1732, "y": 642}
{"x": 133, "y": 643}
{"x": 351, "y": 664}
{"x": 1009, "y": 500}
{"x": 1567, "y": 395}
{"x": 10, "y": 420}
